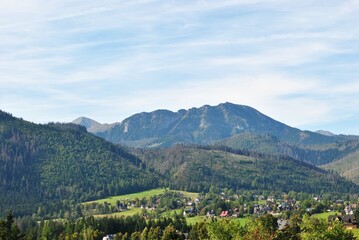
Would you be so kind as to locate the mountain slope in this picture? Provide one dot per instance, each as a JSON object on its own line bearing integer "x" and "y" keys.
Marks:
{"x": 317, "y": 154}
{"x": 198, "y": 168}
{"x": 54, "y": 162}
{"x": 203, "y": 125}
{"x": 347, "y": 166}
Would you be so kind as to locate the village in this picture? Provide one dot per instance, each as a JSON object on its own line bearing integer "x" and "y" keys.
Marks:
{"x": 226, "y": 204}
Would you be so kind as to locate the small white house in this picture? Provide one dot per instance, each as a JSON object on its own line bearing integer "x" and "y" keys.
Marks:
{"x": 109, "y": 237}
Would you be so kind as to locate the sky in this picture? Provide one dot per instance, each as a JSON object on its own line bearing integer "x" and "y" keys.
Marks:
{"x": 295, "y": 61}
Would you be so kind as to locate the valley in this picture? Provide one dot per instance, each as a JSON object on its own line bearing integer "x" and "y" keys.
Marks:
{"x": 227, "y": 162}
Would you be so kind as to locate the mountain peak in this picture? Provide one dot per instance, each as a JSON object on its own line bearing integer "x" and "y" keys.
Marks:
{"x": 325, "y": 133}
{"x": 203, "y": 125}
{"x": 86, "y": 122}
{"x": 92, "y": 125}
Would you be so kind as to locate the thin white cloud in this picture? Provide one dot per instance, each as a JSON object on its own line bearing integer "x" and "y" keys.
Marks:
{"x": 124, "y": 57}
{"x": 282, "y": 56}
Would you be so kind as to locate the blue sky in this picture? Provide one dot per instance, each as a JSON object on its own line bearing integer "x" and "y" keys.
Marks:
{"x": 296, "y": 61}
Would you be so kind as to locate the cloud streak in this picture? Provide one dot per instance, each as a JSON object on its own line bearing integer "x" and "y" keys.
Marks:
{"x": 110, "y": 59}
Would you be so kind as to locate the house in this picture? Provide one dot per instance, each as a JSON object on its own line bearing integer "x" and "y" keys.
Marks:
{"x": 210, "y": 214}
{"x": 109, "y": 237}
{"x": 268, "y": 208}
{"x": 186, "y": 212}
{"x": 284, "y": 206}
{"x": 281, "y": 223}
{"x": 318, "y": 198}
{"x": 191, "y": 211}
{"x": 224, "y": 214}
{"x": 121, "y": 206}
{"x": 258, "y": 209}
{"x": 271, "y": 199}
{"x": 235, "y": 212}
{"x": 348, "y": 210}
{"x": 348, "y": 220}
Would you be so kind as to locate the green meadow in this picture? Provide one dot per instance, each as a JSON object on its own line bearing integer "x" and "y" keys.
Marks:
{"x": 145, "y": 194}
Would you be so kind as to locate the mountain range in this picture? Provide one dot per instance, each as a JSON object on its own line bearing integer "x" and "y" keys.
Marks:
{"x": 235, "y": 126}
{"x": 234, "y": 146}
{"x": 204, "y": 125}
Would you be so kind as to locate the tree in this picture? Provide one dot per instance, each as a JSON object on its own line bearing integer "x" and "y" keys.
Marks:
{"x": 90, "y": 234}
{"x": 154, "y": 233}
{"x": 144, "y": 234}
{"x": 9, "y": 230}
{"x": 118, "y": 236}
{"x": 224, "y": 229}
{"x": 291, "y": 230}
{"x": 269, "y": 223}
{"x": 199, "y": 232}
{"x": 136, "y": 236}
{"x": 336, "y": 231}
{"x": 255, "y": 229}
{"x": 356, "y": 216}
{"x": 313, "y": 228}
{"x": 169, "y": 233}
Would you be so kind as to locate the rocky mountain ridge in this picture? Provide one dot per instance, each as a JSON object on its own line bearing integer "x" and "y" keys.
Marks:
{"x": 204, "y": 125}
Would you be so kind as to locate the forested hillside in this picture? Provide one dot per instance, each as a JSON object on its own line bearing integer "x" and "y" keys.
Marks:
{"x": 317, "y": 154}
{"x": 235, "y": 126}
{"x": 347, "y": 166}
{"x": 198, "y": 168}
{"x": 53, "y": 162}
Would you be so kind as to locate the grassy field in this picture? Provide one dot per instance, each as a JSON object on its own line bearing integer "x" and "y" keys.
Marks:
{"x": 325, "y": 215}
{"x": 196, "y": 219}
{"x": 356, "y": 232}
{"x": 190, "y": 195}
{"x": 129, "y": 212}
{"x": 145, "y": 194}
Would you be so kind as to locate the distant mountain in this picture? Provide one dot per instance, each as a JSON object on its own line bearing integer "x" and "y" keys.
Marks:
{"x": 203, "y": 125}
{"x": 325, "y": 133}
{"x": 55, "y": 162}
{"x": 197, "y": 168}
{"x": 91, "y": 125}
{"x": 86, "y": 122}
